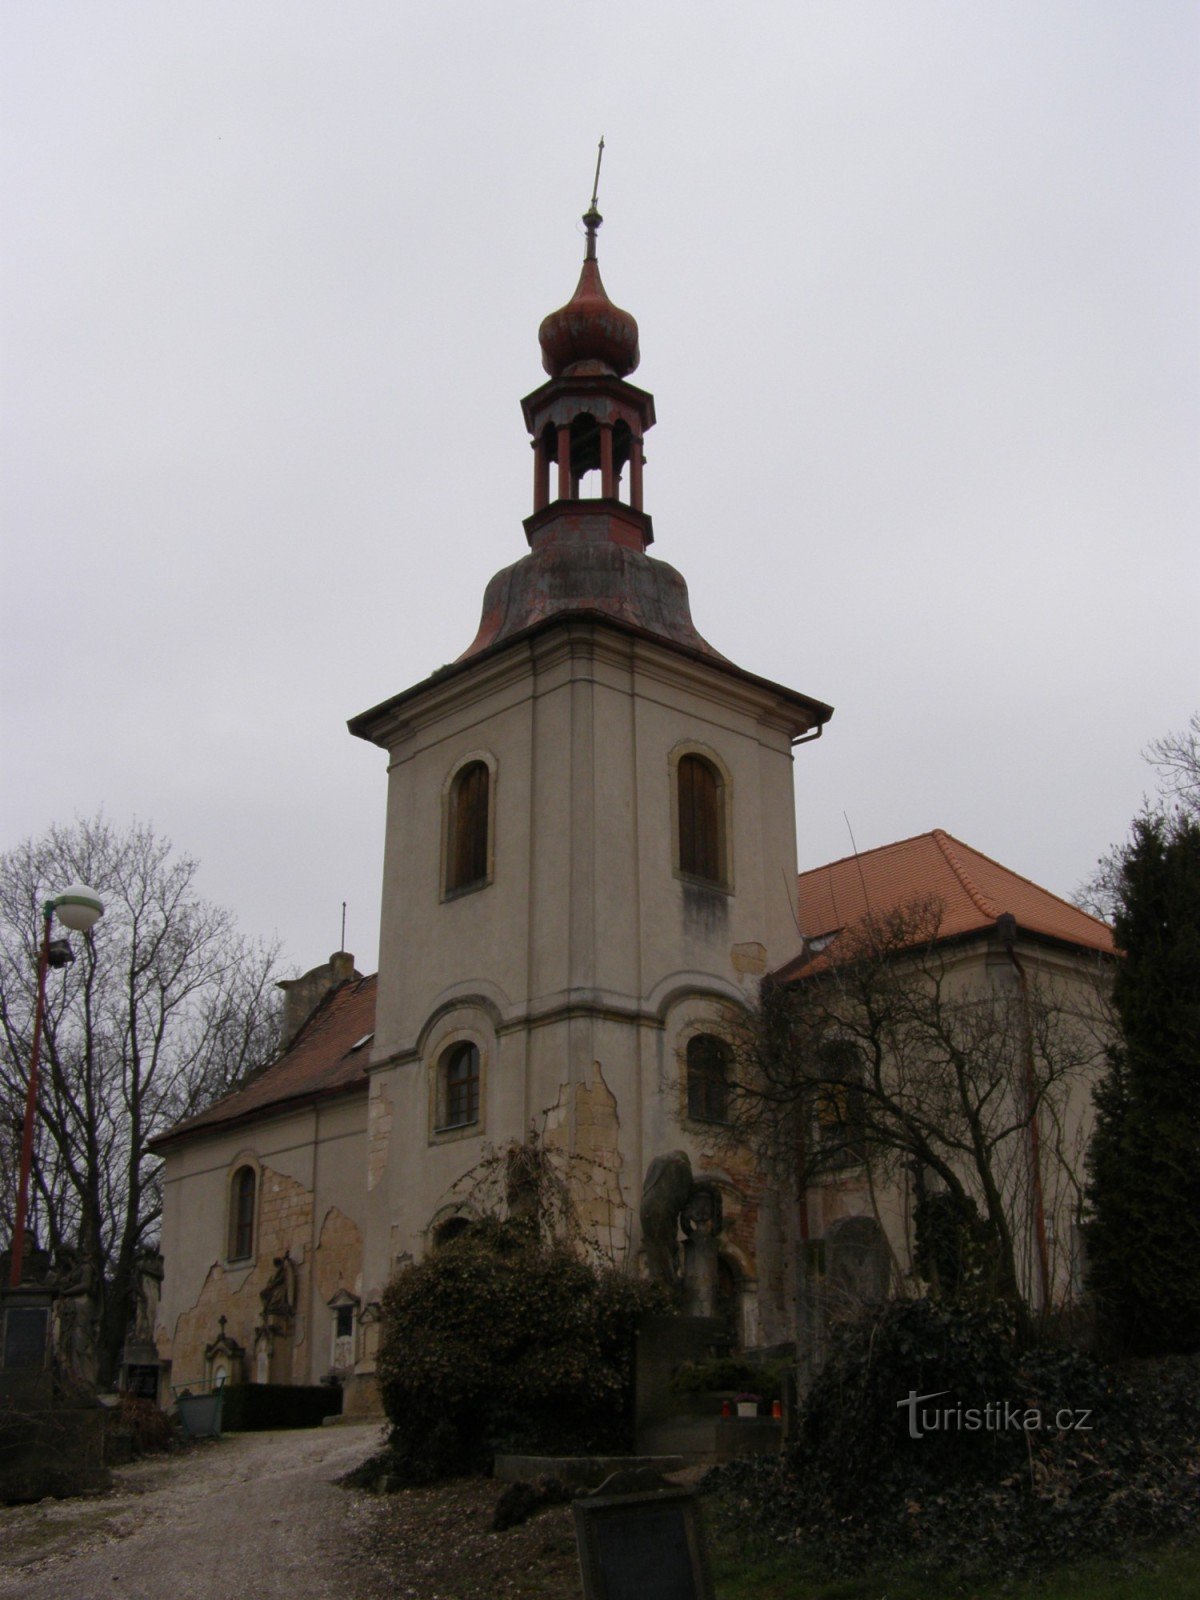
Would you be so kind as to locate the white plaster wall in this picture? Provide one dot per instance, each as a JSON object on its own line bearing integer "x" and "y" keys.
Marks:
{"x": 322, "y": 1150}
{"x": 577, "y": 951}
{"x": 1074, "y": 985}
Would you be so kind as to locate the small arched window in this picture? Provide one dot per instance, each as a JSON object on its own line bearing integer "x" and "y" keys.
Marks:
{"x": 708, "y": 1078}
{"x": 460, "y": 1086}
{"x": 467, "y": 830}
{"x": 701, "y": 823}
{"x": 241, "y": 1214}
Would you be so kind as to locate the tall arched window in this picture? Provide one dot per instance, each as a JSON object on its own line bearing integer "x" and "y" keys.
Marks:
{"x": 467, "y": 828}
{"x": 708, "y": 1061}
{"x": 701, "y": 823}
{"x": 241, "y": 1214}
{"x": 459, "y": 1088}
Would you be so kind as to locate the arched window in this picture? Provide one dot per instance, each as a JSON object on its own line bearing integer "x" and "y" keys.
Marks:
{"x": 708, "y": 1078}
{"x": 701, "y": 823}
{"x": 467, "y": 829}
{"x": 585, "y": 450}
{"x": 241, "y": 1214}
{"x": 459, "y": 1087}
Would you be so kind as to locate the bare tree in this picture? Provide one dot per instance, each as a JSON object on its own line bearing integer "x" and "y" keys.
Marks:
{"x": 898, "y": 1057}
{"x": 164, "y": 1009}
{"x": 1176, "y": 758}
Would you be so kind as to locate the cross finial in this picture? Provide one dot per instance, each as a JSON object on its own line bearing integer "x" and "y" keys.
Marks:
{"x": 591, "y": 217}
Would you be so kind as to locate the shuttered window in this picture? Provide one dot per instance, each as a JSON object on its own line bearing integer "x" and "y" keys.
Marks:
{"x": 700, "y": 853}
{"x": 460, "y": 1067}
{"x": 708, "y": 1078}
{"x": 467, "y": 835}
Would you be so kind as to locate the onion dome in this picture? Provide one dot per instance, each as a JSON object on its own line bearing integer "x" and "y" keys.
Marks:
{"x": 589, "y": 335}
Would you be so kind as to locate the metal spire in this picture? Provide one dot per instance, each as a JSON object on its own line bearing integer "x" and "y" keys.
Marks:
{"x": 591, "y": 217}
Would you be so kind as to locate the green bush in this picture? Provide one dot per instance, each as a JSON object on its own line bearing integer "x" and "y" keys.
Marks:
{"x": 501, "y": 1341}
{"x": 256, "y": 1407}
{"x": 857, "y": 1489}
{"x": 853, "y": 1427}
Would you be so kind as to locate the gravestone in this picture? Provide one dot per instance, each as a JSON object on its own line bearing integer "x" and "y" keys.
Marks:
{"x": 640, "y": 1542}
{"x": 54, "y": 1438}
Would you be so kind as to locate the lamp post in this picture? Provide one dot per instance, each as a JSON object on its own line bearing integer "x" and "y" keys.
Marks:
{"x": 79, "y": 908}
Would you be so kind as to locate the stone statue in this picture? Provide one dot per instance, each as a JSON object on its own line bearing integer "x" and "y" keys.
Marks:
{"x": 664, "y": 1194}
{"x": 148, "y": 1288}
{"x": 75, "y": 1315}
{"x": 279, "y": 1296}
{"x": 701, "y": 1220}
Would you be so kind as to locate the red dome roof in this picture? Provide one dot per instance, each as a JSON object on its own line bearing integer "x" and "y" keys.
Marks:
{"x": 589, "y": 333}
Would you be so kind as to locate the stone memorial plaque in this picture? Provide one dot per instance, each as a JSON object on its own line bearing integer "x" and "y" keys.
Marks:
{"x": 641, "y": 1547}
{"x": 25, "y": 1330}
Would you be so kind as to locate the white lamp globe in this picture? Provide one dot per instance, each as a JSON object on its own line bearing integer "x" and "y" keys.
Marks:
{"x": 79, "y": 908}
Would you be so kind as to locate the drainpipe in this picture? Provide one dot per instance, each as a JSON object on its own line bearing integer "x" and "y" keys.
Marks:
{"x": 806, "y": 1340}
{"x": 1006, "y": 927}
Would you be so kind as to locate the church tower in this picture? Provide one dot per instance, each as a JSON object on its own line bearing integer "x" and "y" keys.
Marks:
{"x": 590, "y": 852}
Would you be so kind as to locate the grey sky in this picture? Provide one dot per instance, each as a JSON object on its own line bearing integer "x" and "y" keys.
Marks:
{"x": 917, "y": 293}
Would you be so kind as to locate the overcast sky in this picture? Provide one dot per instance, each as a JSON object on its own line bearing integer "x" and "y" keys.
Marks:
{"x": 917, "y": 292}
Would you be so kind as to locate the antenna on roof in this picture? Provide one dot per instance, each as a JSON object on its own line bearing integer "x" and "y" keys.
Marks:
{"x": 342, "y": 946}
{"x": 857, "y": 861}
{"x": 793, "y": 902}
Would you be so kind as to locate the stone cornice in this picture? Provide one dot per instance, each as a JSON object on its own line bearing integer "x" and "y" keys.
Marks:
{"x": 583, "y": 634}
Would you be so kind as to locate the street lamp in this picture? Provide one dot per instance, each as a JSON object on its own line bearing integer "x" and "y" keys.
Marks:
{"x": 79, "y": 908}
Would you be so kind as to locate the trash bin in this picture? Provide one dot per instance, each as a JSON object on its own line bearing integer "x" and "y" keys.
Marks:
{"x": 200, "y": 1414}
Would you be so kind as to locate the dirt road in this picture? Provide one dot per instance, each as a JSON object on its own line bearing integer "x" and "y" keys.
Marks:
{"x": 253, "y": 1514}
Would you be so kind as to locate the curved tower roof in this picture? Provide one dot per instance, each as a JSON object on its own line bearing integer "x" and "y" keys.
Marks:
{"x": 588, "y": 549}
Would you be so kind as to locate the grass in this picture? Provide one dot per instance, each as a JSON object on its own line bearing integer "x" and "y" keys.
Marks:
{"x": 750, "y": 1567}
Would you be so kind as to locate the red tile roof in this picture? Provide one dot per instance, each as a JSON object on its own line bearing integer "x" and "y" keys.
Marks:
{"x": 974, "y": 891}
{"x": 328, "y": 1056}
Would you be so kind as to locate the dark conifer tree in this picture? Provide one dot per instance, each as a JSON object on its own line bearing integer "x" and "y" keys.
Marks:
{"x": 1144, "y": 1240}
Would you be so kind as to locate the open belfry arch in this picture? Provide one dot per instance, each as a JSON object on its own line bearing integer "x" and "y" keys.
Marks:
{"x": 589, "y": 860}
{"x": 642, "y": 832}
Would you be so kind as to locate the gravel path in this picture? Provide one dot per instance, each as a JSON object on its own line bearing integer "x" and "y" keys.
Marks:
{"x": 251, "y": 1514}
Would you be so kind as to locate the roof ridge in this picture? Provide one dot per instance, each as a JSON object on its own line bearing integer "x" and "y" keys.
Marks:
{"x": 943, "y": 840}
{"x": 857, "y": 855}
{"x": 1020, "y": 876}
{"x": 313, "y": 1023}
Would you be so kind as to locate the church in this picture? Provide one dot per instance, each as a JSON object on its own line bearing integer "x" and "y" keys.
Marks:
{"x": 590, "y": 863}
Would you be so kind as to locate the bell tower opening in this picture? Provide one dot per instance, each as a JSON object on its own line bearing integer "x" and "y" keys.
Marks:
{"x": 588, "y": 422}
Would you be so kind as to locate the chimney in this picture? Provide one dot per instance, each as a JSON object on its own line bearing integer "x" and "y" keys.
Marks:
{"x": 303, "y": 995}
